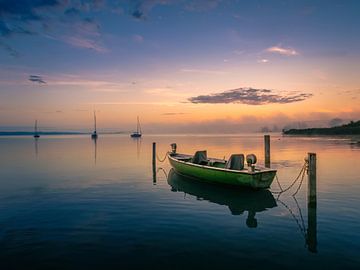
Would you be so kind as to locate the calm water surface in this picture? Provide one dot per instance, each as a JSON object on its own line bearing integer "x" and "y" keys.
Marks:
{"x": 68, "y": 203}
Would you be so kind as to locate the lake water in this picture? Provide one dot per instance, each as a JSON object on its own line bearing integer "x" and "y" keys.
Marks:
{"x": 68, "y": 203}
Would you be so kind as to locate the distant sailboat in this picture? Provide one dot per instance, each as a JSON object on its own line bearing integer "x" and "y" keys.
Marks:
{"x": 94, "y": 135}
{"x": 137, "y": 133}
{"x": 36, "y": 133}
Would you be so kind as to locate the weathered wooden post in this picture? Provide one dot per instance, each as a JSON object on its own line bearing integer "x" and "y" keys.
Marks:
{"x": 311, "y": 235}
{"x": 311, "y": 179}
{"x": 267, "y": 150}
{"x": 312, "y": 215}
{"x": 154, "y": 161}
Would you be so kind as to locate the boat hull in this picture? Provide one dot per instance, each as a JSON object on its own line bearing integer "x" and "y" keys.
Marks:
{"x": 257, "y": 180}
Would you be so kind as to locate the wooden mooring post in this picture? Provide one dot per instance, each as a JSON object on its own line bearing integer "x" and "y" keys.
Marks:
{"x": 311, "y": 179}
{"x": 311, "y": 234}
{"x": 311, "y": 238}
{"x": 154, "y": 162}
{"x": 267, "y": 150}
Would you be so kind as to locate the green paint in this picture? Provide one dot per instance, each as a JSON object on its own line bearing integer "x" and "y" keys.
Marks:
{"x": 215, "y": 174}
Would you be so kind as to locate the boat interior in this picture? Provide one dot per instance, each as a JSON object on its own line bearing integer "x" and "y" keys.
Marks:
{"x": 235, "y": 162}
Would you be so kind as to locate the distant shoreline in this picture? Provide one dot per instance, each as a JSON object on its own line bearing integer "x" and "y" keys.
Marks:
{"x": 353, "y": 128}
{"x": 45, "y": 133}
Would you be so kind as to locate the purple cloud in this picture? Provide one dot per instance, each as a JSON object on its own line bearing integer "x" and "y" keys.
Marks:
{"x": 250, "y": 96}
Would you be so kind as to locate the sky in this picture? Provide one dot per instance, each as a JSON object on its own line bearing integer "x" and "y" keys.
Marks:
{"x": 181, "y": 66}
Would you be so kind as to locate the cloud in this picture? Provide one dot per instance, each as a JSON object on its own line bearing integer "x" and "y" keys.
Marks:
{"x": 81, "y": 110}
{"x": 85, "y": 43}
{"x": 336, "y": 122}
{"x": 88, "y": 83}
{"x": 4, "y": 29}
{"x": 57, "y": 19}
{"x": 202, "y": 5}
{"x": 202, "y": 71}
{"x": 63, "y": 20}
{"x": 165, "y": 92}
{"x": 9, "y": 49}
{"x": 320, "y": 74}
{"x": 239, "y": 52}
{"x": 37, "y": 79}
{"x": 354, "y": 93}
{"x": 282, "y": 51}
{"x": 263, "y": 61}
{"x": 137, "y": 14}
{"x": 143, "y": 7}
{"x": 138, "y": 38}
{"x": 173, "y": 113}
{"x": 72, "y": 12}
{"x": 86, "y": 27}
{"x": 26, "y": 10}
{"x": 249, "y": 96}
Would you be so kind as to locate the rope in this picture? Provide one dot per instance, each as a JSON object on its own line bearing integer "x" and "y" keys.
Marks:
{"x": 302, "y": 179}
{"x": 162, "y": 169}
{"x": 300, "y": 212}
{"x": 300, "y": 226}
{"x": 277, "y": 180}
{"x": 161, "y": 160}
{"x": 302, "y": 172}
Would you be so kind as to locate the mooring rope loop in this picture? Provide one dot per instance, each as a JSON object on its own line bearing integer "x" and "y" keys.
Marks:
{"x": 301, "y": 181}
{"x": 300, "y": 213}
{"x": 162, "y": 160}
{"x": 277, "y": 180}
{"x": 301, "y": 225}
{"x": 301, "y": 173}
{"x": 163, "y": 170}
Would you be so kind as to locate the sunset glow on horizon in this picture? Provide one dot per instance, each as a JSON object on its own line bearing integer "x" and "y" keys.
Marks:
{"x": 181, "y": 66}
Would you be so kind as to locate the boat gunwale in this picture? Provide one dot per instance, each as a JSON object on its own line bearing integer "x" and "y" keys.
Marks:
{"x": 220, "y": 169}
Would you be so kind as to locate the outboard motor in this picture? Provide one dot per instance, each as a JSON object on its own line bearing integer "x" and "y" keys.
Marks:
{"x": 173, "y": 148}
{"x": 251, "y": 161}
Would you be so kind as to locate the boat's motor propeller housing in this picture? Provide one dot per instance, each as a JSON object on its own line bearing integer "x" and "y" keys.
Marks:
{"x": 173, "y": 148}
{"x": 251, "y": 160}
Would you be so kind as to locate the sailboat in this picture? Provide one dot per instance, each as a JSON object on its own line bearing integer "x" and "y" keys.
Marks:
{"x": 137, "y": 133}
{"x": 36, "y": 133}
{"x": 94, "y": 135}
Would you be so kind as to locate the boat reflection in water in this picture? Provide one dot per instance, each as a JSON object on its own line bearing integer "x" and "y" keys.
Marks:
{"x": 238, "y": 200}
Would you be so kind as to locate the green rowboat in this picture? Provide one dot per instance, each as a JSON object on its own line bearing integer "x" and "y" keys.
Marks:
{"x": 221, "y": 171}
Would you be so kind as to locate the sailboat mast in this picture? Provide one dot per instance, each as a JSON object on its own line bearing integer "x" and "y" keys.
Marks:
{"x": 36, "y": 129}
{"x": 95, "y": 121}
{"x": 137, "y": 125}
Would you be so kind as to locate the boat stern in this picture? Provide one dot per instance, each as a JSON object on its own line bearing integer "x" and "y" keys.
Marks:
{"x": 263, "y": 179}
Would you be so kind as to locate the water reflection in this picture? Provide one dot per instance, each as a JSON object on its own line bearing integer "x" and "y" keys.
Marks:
{"x": 95, "y": 149}
{"x": 95, "y": 209}
{"x": 354, "y": 144}
{"x": 137, "y": 140}
{"x": 238, "y": 200}
{"x": 311, "y": 233}
{"x": 36, "y": 144}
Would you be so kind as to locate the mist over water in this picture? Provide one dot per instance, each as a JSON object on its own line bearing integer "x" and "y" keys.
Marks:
{"x": 68, "y": 202}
